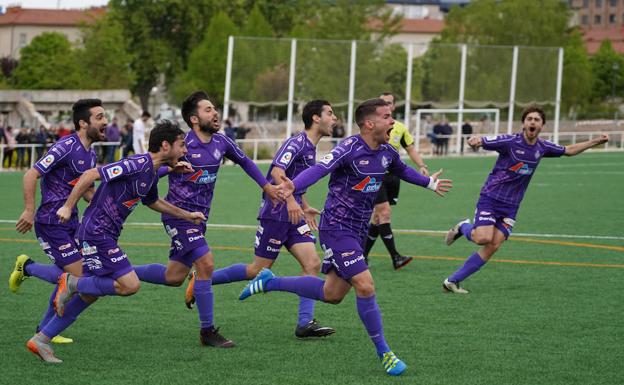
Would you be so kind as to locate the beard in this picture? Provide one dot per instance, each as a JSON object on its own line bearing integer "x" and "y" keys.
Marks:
{"x": 208, "y": 128}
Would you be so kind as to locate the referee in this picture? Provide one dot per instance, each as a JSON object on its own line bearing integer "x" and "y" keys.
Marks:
{"x": 389, "y": 192}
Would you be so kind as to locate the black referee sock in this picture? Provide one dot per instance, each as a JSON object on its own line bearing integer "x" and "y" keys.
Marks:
{"x": 373, "y": 232}
{"x": 388, "y": 238}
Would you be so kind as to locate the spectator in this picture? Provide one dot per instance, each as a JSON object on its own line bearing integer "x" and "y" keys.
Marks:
{"x": 230, "y": 130}
{"x": 447, "y": 131}
{"x": 466, "y": 130}
{"x": 9, "y": 140}
{"x": 41, "y": 138}
{"x": 63, "y": 131}
{"x": 436, "y": 140}
{"x": 126, "y": 138}
{"x": 138, "y": 133}
{"x": 23, "y": 137}
{"x": 112, "y": 135}
{"x": 241, "y": 132}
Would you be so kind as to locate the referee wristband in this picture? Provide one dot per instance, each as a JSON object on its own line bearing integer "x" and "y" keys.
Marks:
{"x": 433, "y": 184}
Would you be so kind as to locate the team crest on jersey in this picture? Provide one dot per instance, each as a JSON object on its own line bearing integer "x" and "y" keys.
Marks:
{"x": 537, "y": 154}
{"x": 216, "y": 154}
{"x": 203, "y": 177}
{"x": 132, "y": 203}
{"x": 521, "y": 168}
{"x": 367, "y": 185}
{"x": 114, "y": 171}
{"x": 384, "y": 162}
{"x": 327, "y": 158}
{"x": 348, "y": 141}
{"x": 141, "y": 160}
{"x": 286, "y": 158}
{"x": 47, "y": 161}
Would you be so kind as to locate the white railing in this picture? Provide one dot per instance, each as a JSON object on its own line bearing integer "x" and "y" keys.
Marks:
{"x": 255, "y": 147}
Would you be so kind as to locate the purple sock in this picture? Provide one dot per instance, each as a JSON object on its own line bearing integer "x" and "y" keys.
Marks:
{"x": 471, "y": 266}
{"x": 371, "y": 318}
{"x": 47, "y": 316}
{"x": 306, "y": 311}
{"x": 152, "y": 273}
{"x": 48, "y": 273}
{"x": 232, "y": 273}
{"x": 57, "y": 324}
{"x": 306, "y": 286}
{"x": 96, "y": 286}
{"x": 466, "y": 230}
{"x": 204, "y": 301}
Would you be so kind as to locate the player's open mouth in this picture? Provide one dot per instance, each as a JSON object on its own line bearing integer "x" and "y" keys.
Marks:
{"x": 532, "y": 129}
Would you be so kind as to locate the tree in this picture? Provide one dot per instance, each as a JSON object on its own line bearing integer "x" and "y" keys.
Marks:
{"x": 47, "y": 63}
{"x": 607, "y": 66}
{"x": 104, "y": 59}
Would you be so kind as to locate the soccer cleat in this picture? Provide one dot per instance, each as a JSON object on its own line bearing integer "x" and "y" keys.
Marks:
{"x": 42, "y": 350}
{"x": 63, "y": 294}
{"x": 257, "y": 285}
{"x": 189, "y": 298}
{"x": 18, "y": 275}
{"x": 211, "y": 337}
{"x": 453, "y": 287}
{"x": 398, "y": 261}
{"x": 454, "y": 233}
{"x": 392, "y": 364}
{"x": 313, "y": 330}
{"x": 61, "y": 340}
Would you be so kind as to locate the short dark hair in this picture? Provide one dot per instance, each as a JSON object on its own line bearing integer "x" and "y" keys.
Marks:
{"x": 81, "y": 110}
{"x": 314, "y": 107}
{"x": 530, "y": 109}
{"x": 164, "y": 131}
{"x": 146, "y": 114}
{"x": 189, "y": 105}
{"x": 367, "y": 108}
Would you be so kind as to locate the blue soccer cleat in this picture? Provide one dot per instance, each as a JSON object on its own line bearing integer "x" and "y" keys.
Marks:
{"x": 258, "y": 284}
{"x": 392, "y": 364}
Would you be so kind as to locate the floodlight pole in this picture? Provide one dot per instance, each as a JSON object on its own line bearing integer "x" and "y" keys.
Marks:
{"x": 351, "y": 88}
{"x": 291, "y": 87}
{"x": 462, "y": 86}
{"x": 408, "y": 89}
{"x": 558, "y": 97}
{"x": 512, "y": 90}
{"x": 228, "y": 78}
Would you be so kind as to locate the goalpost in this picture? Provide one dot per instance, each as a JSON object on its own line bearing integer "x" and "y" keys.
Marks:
{"x": 460, "y": 112}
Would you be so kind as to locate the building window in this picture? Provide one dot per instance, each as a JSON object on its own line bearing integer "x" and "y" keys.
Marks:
{"x": 597, "y": 19}
{"x": 585, "y": 3}
{"x": 584, "y": 19}
{"x": 612, "y": 18}
{"x": 22, "y": 40}
{"x": 598, "y": 3}
{"x": 613, "y": 3}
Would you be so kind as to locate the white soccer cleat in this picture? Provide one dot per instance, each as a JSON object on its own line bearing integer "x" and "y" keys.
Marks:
{"x": 453, "y": 287}
{"x": 454, "y": 233}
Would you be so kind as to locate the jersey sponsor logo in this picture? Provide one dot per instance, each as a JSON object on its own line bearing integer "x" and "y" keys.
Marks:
{"x": 132, "y": 203}
{"x": 69, "y": 141}
{"x": 191, "y": 231}
{"x": 521, "y": 152}
{"x": 119, "y": 259}
{"x": 285, "y": 159}
{"x": 114, "y": 171}
{"x": 203, "y": 177}
{"x": 491, "y": 138}
{"x": 141, "y": 160}
{"x": 69, "y": 253}
{"x": 196, "y": 237}
{"x": 195, "y": 156}
{"x": 367, "y": 185}
{"x": 348, "y": 141}
{"x": 521, "y": 168}
{"x": 272, "y": 249}
{"x": 113, "y": 251}
{"x": 327, "y": 158}
{"x": 487, "y": 219}
{"x": 485, "y": 213}
{"x": 350, "y": 262}
{"x": 87, "y": 249}
{"x": 65, "y": 246}
{"x": 47, "y": 161}
{"x": 348, "y": 253}
{"x": 363, "y": 162}
{"x": 275, "y": 241}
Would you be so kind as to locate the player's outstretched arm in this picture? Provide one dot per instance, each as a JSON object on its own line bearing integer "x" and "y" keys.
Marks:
{"x": 439, "y": 186}
{"x": 575, "y": 149}
{"x": 84, "y": 183}
{"x": 26, "y": 220}
{"x": 165, "y": 207}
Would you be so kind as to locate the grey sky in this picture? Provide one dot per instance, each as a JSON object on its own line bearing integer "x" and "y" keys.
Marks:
{"x": 53, "y": 3}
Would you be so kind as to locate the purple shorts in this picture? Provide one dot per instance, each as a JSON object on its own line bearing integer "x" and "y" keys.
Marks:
{"x": 103, "y": 257}
{"x": 185, "y": 238}
{"x": 271, "y": 235}
{"x": 343, "y": 253}
{"x": 490, "y": 212}
{"x": 58, "y": 242}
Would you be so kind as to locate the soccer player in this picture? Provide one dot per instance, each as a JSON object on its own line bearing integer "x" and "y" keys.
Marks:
{"x": 193, "y": 192}
{"x": 357, "y": 166}
{"x": 288, "y": 224}
{"x": 59, "y": 171}
{"x": 389, "y": 192}
{"x": 498, "y": 204}
{"x": 108, "y": 269}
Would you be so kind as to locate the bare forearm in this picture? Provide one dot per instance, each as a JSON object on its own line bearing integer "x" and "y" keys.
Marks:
{"x": 84, "y": 183}
{"x": 165, "y": 207}
{"x": 30, "y": 187}
{"x": 577, "y": 148}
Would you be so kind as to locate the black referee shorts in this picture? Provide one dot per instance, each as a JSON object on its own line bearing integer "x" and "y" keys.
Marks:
{"x": 389, "y": 190}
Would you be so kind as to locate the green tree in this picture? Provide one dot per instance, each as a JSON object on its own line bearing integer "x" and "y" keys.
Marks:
{"x": 608, "y": 68}
{"x": 48, "y": 62}
{"x": 104, "y": 59}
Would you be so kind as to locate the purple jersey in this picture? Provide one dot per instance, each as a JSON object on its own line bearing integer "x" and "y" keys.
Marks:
{"x": 193, "y": 191}
{"x": 515, "y": 166}
{"x": 356, "y": 176}
{"x": 60, "y": 169}
{"x": 294, "y": 156}
{"x": 124, "y": 184}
